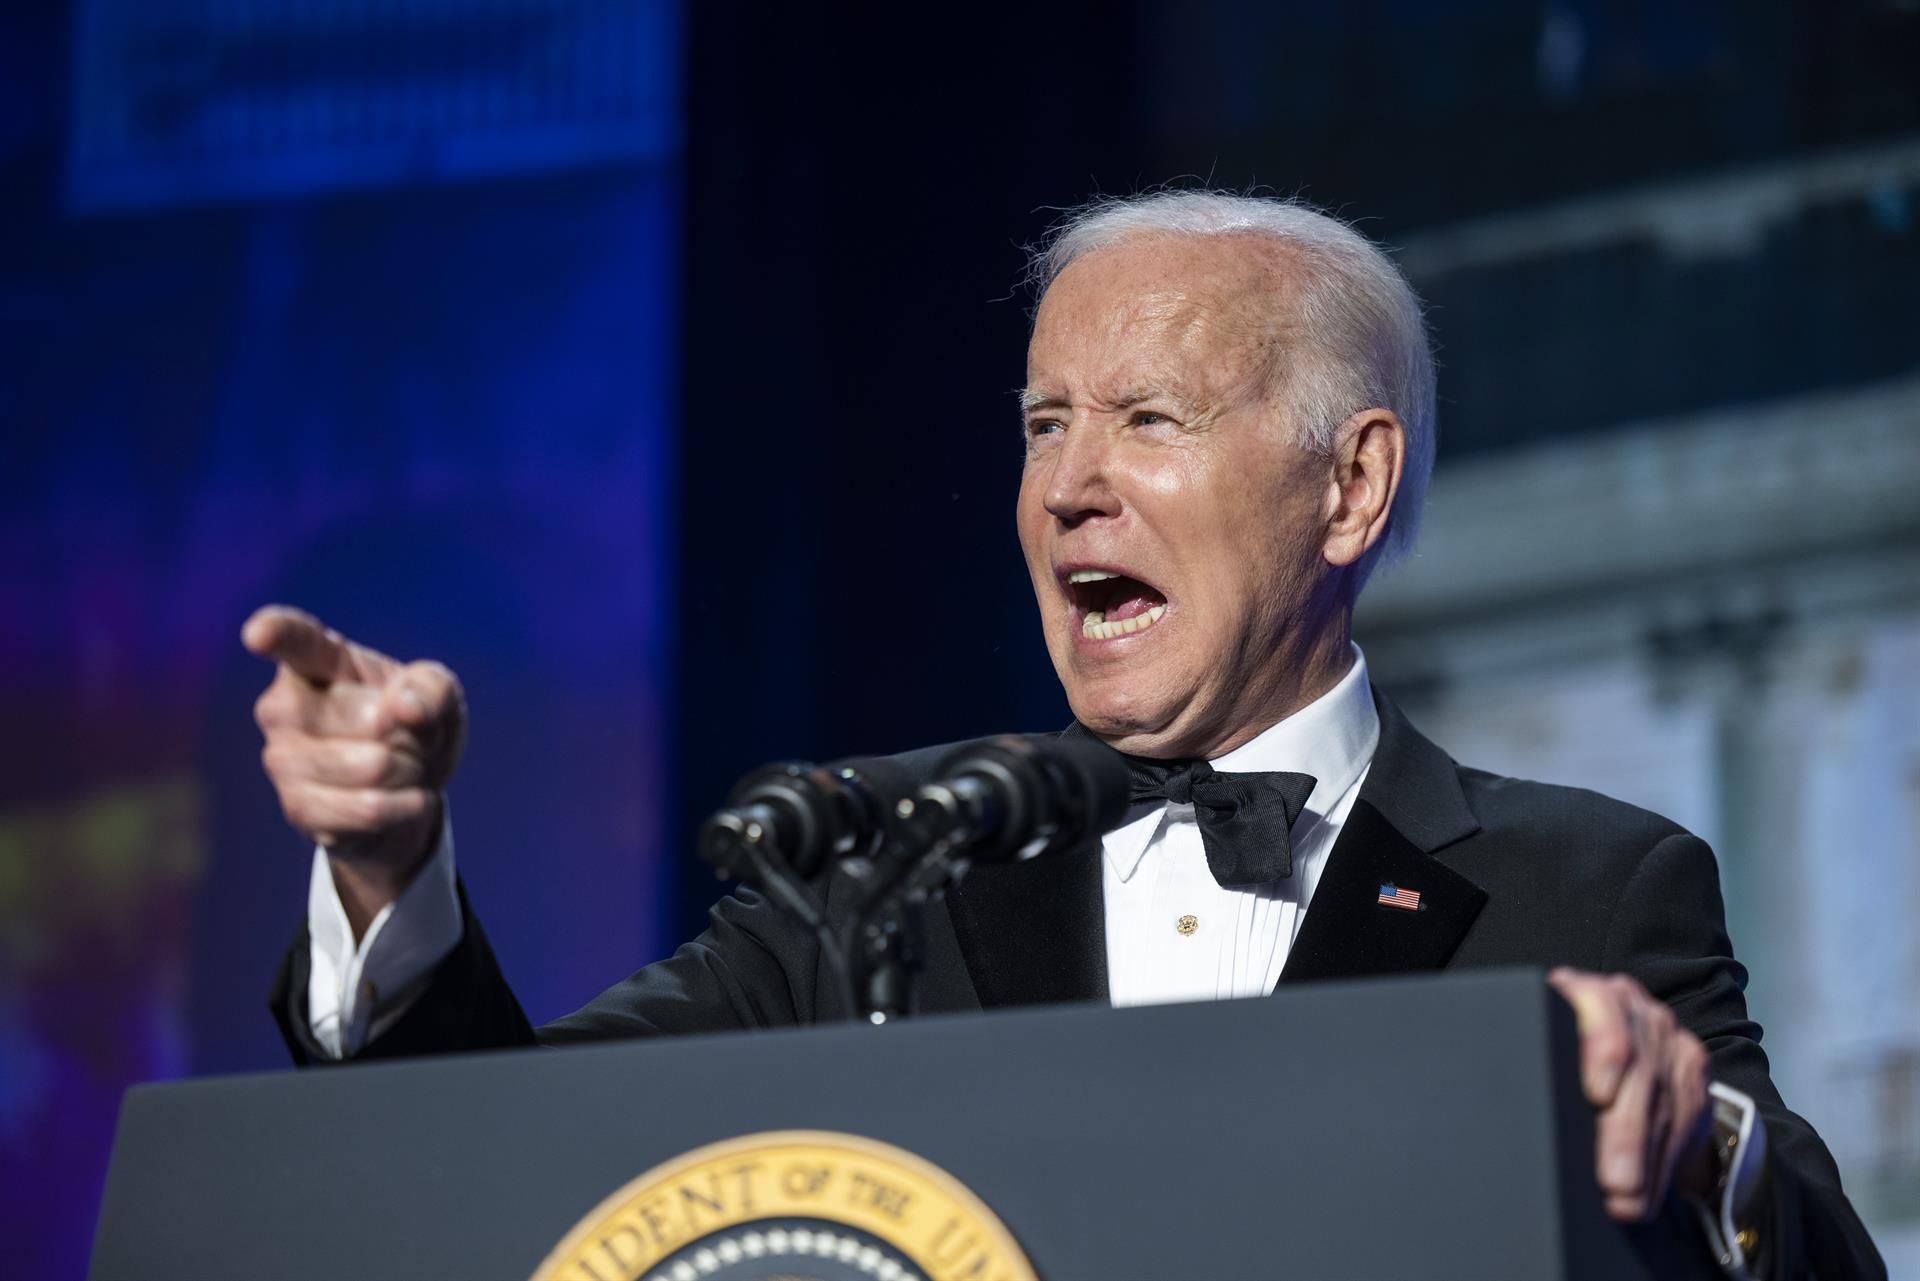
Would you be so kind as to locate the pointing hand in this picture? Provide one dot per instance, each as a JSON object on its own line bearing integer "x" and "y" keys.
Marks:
{"x": 359, "y": 747}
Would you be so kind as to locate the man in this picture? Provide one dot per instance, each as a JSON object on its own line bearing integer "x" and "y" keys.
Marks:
{"x": 1229, "y": 420}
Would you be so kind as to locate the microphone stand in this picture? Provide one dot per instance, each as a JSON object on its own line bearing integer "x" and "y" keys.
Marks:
{"x": 875, "y": 958}
{"x": 753, "y": 844}
{"x": 1005, "y": 799}
{"x": 923, "y": 858}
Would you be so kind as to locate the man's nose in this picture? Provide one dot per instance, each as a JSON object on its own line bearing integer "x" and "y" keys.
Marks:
{"x": 1080, "y": 486}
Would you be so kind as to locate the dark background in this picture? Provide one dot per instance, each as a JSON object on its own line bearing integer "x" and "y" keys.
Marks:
{"x": 854, "y": 305}
{"x": 687, "y": 434}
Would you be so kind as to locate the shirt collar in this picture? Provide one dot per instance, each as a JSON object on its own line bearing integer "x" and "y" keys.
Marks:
{"x": 1332, "y": 738}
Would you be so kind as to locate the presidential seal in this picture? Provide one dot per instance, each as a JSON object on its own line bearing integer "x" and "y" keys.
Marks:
{"x": 790, "y": 1205}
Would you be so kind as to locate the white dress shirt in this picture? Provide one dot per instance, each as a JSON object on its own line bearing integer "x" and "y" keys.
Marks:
{"x": 1176, "y": 934}
{"x": 353, "y": 992}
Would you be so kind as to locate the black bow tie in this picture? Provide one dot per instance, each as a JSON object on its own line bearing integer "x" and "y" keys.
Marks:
{"x": 1245, "y": 819}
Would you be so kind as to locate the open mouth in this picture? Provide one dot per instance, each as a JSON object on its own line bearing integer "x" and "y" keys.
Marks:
{"x": 1111, "y": 605}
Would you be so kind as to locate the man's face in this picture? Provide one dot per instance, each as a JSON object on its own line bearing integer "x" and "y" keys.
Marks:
{"x": 1172, "y": 528}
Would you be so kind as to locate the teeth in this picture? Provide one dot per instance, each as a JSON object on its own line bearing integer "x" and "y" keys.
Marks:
{"x": 1090, "y": 576}
{"x": 1096, "y": 627}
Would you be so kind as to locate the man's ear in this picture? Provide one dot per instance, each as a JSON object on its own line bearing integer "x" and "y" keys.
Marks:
{"x": 1369, "y": 454}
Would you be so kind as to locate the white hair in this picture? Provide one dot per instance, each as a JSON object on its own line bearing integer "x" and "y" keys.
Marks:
{"x": 1366, "y": 340}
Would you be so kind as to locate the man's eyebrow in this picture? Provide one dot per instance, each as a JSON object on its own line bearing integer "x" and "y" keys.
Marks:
{"x": 1033, "y": 398}
{"x": 1142, "y": 392}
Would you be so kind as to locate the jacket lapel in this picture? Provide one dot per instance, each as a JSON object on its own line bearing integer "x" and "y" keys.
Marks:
{"x": 1410, "y": 806}
{"x": 1034, "y": 931}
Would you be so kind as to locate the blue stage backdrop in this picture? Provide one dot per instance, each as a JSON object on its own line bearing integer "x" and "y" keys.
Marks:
{"x": 261, "y": 345}
{"x": 373, "y": 306}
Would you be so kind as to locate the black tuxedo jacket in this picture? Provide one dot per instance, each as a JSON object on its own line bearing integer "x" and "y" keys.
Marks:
{"x": 1509, "y": 872}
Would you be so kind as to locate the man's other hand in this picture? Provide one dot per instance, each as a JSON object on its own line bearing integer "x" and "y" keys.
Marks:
{"x": 359, "y": 747}
{"x": 1647, "y": 1077}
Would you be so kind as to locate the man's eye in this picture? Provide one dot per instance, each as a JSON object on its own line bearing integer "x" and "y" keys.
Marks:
{"x": 1147, "y": 418}
{"x": 1038, "y": 427}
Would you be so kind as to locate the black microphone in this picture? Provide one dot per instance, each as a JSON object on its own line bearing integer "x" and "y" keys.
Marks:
{"x": 805, "y": 814}
{"x": 993, "y": 800}
{"x": 1012, "y": 798}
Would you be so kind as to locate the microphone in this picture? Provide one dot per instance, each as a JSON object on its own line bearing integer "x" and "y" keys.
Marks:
{"x": 994, "y": 800}
{"x": 1011, "y": 797}
{"x": 805, "y": 814}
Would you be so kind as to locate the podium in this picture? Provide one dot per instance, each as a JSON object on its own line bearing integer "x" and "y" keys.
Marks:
{"x": 1427, "y": 1127}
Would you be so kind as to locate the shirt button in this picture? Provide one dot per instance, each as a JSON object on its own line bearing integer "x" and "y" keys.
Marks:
{"x": 1187, "y": 925}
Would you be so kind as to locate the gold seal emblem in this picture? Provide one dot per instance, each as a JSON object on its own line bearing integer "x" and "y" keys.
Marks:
{"x": 798, "y": 1205}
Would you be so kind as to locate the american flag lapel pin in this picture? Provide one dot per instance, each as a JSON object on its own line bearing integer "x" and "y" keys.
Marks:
{"x": 1399, "y": 896}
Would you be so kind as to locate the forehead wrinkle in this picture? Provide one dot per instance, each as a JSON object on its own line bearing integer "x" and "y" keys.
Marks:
{"x": 1169, "y": 328}
{"x": 1244, "y": 341}
{"x": 1231, "y": 335}
{"x": 1223, "y": 333}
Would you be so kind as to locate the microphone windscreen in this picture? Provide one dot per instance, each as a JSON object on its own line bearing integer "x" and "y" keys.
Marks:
{"x": 1042, "y": 793}
{"x": 1102, "y": 783}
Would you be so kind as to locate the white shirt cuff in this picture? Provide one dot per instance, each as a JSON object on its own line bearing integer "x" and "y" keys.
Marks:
{"x": 354, "y": 993}
{"x": 1740, "y": 1139}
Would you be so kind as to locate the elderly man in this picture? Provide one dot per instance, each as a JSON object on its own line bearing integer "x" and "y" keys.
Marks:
{"x": 1229, "y": 424}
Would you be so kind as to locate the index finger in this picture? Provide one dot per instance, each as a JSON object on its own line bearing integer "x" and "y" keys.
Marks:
{"x": 297, "y": 639}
